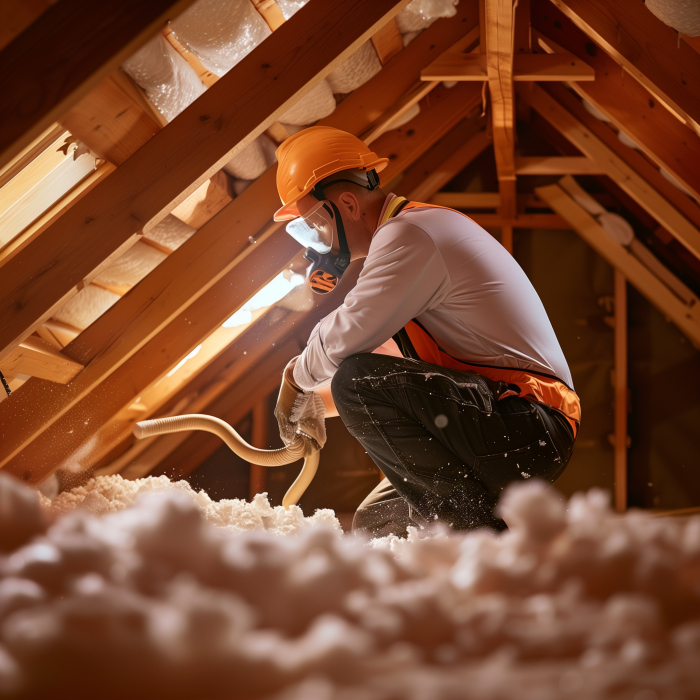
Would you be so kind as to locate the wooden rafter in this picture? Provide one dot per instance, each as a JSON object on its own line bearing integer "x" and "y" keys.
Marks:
{"x": 557, "y": 165}
{"x": 388, "y": 41}
{"x": 526, "y": 67}
{"x": 133, "y": 321}
{"x": 37, "y": 92}
{"x": 620, "y": 388}
{"x": 617, "y": 169}
{"x": 37, "y": 358}
{"x": 625, "y": 102}
{"x": 646, "y": 48}
{"x": 686, "y": 317}
{"x": 177, "y": 160}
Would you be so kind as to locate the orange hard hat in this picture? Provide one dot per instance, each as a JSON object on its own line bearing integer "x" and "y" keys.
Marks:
{"x": 306, "y": 158}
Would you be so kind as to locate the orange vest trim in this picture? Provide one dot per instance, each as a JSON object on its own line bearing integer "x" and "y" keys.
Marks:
{"x": 537, "y": 387}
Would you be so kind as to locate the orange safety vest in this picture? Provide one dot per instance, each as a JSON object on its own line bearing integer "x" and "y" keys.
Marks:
{"x": 537, "y": 387}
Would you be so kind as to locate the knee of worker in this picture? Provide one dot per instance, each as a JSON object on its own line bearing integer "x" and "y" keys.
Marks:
{"x": 343, "y": 385}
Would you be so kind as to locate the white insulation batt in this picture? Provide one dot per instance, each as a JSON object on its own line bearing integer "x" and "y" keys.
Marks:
{"x": 156, "y": 600}
{"x": 171, "y": 232}
{"x": 86, "y": 306}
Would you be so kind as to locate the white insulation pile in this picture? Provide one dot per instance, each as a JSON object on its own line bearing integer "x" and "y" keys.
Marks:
{"x": 153, "y": 600}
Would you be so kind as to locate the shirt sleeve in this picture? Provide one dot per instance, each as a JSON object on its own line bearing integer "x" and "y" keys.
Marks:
{"x": 403, "y": 276}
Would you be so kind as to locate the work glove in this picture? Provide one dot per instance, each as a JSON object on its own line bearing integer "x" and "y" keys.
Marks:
{"x": 300, "y": 413}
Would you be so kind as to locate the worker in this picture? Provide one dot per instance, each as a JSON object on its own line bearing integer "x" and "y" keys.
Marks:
{"x": 441, "y": 361}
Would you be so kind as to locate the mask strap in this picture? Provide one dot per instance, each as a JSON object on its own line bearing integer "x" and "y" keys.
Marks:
{"x": 343, "y": 259}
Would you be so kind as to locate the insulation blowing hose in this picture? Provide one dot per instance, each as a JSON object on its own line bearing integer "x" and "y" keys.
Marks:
{"x": 266, "y": 458}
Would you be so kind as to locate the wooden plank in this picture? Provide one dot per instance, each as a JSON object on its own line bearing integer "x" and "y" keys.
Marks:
{"x": 498, "y": 39}
{"x": 414, "y": 95}
{"x": 51, "y": 215}
{"x": 628, "y": 104}
{"x": 635, "y": 160}
{"x": 259, "y": 438}
{"x": 113, "y": 119}
{"x": 526, "y": 67}
{"x": 206, "y": 201}
{"x": 507, "y": 237}
{"x": 451, "y": 167}
{"x": 203, "y": 73}
{"x": 181, "y": 157}
{"x": 645, "y": 47}
{"x": 621, "y": 259}
{"x": 557, "y": 165}
{"x": 16, "y": 17}
{"x": 620, "y": 386}
{"x": 617, "y": 169}
{"x": 37, "y": 92}
{"x": 387, "y": 41}
{"x": 467, "y": 200}
{"x": 37, "y": 358}
{"x": 549, "y": 221}
{"x": 270, "y": 11}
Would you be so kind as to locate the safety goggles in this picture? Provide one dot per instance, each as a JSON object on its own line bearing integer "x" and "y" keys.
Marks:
{"x": 315, "y": 229}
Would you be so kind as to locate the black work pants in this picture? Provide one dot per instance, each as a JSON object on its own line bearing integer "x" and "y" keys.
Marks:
{"x": 445, "y": 444}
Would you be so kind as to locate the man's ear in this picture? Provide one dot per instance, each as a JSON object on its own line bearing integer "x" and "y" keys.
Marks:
{"x": 350, "y": 205}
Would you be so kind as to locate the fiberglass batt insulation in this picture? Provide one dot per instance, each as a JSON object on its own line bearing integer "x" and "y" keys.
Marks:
{"x": 220, "y": 32}
{"x": 253, "y": 160}
{"x": 133, "y": 266}
{"x": 169, "y": 81}
{"x": 86, "y": 306}
{"x": 154, "y": 600}
{"x": 170, "y": 232}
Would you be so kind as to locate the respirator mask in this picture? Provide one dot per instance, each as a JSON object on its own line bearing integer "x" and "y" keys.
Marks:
{"x": 322, "y": 227}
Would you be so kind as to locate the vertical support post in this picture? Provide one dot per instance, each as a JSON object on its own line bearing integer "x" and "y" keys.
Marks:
{"x": 259, "y": 439}
{"x": 620, "y": 392}
{"x": 507, "y": 237}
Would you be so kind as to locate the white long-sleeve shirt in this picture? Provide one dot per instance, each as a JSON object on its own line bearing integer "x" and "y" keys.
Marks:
{"x": 442, "y": 269}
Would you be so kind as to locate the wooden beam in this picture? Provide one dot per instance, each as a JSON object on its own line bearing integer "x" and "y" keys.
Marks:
{"x": 259, "y": 439}
{"x": 387, "y": 41}
{"x": 206, "y": 201}
{"x": 414, "y": 95}
{"x": 203, "y": 73}
{"x": 15, "y": 17}
{"x": 684, "y": 316}
{"x": 617, "y": 169}
{"x": 557, "y": 165}
{"x": 37, "y": 92}
{"x": 526, "y": 67}
{"x": 114, "y": 119}
{"x": 270, "y": 11}
{"x": 507, "y": 237}
{"x": 209, "y": 254}
{"x": 177, "y": 160}
{"x": 626, "y": 103}
{"x": 37, "y": 358}
{"x": 498, "y": 40}
{"x": 451, "y": 167}
{"x": 620, "y": 386}
{"x": 467, "y": 200}
{"x": 549, "y": 221}
{"x": 30, "y": 153}
{"x": 645, "y": 47}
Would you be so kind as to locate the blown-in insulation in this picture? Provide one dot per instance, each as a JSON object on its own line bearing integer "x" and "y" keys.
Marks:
{"x": 86, "y": 306}
{"x": 156, "y": 600}
{"x": 220, "y": 32}
{"x": 169, "y": 81}
{"x": 420, "y": 14}
{"x": 133, "y": 266}
{"x": 170, "y": 232}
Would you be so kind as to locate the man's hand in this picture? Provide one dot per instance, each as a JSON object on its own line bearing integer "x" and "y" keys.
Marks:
{"x": 299, "y": 413}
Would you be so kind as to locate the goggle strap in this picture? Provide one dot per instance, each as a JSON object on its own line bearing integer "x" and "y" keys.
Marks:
{"x": 372, "y": 184}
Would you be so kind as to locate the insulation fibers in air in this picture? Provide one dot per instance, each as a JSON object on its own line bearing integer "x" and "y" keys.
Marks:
{"x": 220, "y": 32}
{"x": 133, "y": 266}
{"x": 356, "y": 70}
{"x": 86, "y": 306}
{"x": 420, "y": 14}
{"x": 316, "y": 104}
{"x": 170, "y": 232}
{"x": 253, "y": 160}
{"x": 169, "y": 81}
{"x": 682, "y": 15}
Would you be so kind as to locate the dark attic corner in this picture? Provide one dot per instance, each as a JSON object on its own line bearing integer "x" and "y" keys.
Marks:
{"x": 350, "y": 349}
